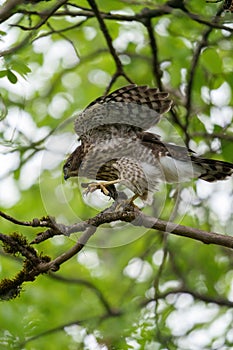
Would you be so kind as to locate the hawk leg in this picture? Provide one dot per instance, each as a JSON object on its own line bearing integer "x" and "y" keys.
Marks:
{"x": 103, "y": 186}
{"x": 112, "y": 192}
{"x": 127, "y": 203}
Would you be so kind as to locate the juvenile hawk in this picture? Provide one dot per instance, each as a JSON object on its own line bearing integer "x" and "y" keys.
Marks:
{"x": 116, "y": 148}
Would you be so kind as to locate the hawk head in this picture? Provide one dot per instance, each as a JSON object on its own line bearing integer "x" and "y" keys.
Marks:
{"x": 73, "y": 163}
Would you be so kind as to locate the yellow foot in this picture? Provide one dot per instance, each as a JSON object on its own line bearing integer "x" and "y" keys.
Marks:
{"x": 93, "y": 186}
{"x": 127, "y": 203}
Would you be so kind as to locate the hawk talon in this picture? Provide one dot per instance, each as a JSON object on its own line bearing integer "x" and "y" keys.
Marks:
{"x": 127, "y": 203}
{"x": 93, "y": 186}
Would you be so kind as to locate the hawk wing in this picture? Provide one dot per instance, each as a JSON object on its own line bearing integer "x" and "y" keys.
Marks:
{"x": 137, "y": 106}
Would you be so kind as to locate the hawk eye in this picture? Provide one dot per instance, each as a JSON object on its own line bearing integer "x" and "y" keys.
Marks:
{"x": 68, "y": 164}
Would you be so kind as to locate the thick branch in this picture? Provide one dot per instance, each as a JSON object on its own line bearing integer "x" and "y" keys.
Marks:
{"x": 7, "y": 10}
{"x": 35, "y": 264}
{"x": 135, "y": 217}
{"x": 139, "y": 219}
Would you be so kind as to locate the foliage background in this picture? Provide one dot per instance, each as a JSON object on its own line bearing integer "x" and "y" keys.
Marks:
{"x": 154, "y": 290}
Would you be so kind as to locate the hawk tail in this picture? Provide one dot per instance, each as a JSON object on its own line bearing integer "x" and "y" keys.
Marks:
{"x": 213, "y": 170}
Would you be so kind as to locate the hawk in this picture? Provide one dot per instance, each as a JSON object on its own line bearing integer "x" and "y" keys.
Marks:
{"x": 116, "y": 147}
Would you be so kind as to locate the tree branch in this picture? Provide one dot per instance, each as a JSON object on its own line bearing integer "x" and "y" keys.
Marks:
{"x": 7, "y": 10}
{"x": 156, "y": 66}
{"x": 129, "y": 214}
{"x": 35, "y": 264}
{"x": 203, "y": 43}
{"x": 198, "y": 296}
{"x": 140, "y": 16}
{"x": 87, "y": 284}
{"x": 103, "y": 28}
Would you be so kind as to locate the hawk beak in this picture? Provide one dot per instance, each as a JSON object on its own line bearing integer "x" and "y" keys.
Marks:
{"x": 66, "y": 174}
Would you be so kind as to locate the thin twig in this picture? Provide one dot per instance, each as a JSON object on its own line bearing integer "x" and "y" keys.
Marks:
{"x": 196, "y": 56}
{"x": 206, "y": 298}
{"x": 104, "y": 29}
{"x": 156, "y": 66}
{"x": 140, "y": 16}
{"x": 88, "y": 284}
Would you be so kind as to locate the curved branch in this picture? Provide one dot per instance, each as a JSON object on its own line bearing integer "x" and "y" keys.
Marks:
{"x": 61, "y": 327}
{"x": 129, "y": 214}
{"x": 198, "y": 296}
{"x": 35, "y": 264}
{"x": 87, "y": 284}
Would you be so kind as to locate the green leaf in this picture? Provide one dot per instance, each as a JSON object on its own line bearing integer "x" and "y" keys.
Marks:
{"x": 3, "y": 73}
{"x": 11, "y": 77}
{"x": 20, "y": 67}
{"x": 227, "y": 150}
{"x": 3, "y": 108}
{"x": 211, "y": 60}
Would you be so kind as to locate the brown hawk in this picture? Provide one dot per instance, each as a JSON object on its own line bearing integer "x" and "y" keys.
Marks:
{"x": 116, "y": 148}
